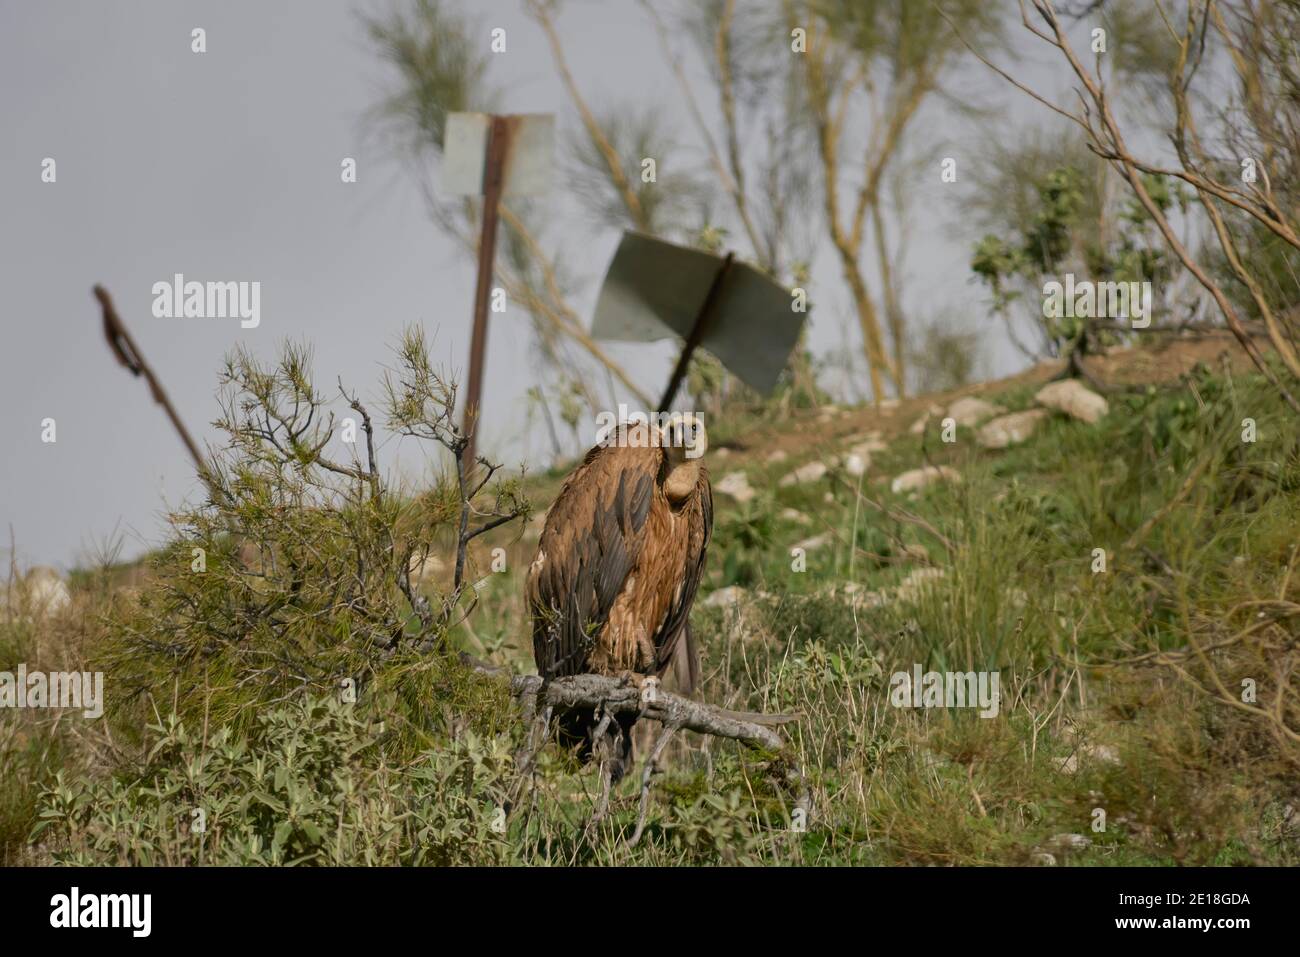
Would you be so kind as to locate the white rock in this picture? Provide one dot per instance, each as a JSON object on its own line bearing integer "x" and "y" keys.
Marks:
{"x": 1092, "y": 753}
{"x": 868, "y": 599}
{"x": 916, "y": 582}
{"x": 1074, "y": 399}
{"x": 865, "y": 452}
{"x": 794, "y": 515}
{"x": 430, "y": 566}
{"x": 1042, "y": 859}
{"x": 46, "y": 591}
{"x": 868, "y": 448}
{"x": 725, "y": 597}
{"x": 808, "y": 472}
{"x": 817, "y": 541}
{"x": 41, "y": 591}
{"x": 916, "y": 552}
{"x": 920, "y": 424}
{"x": 866, "y": 444}
{"x": 735, "y": 484}
{"x": 1103, "y": 753}
{"x": 1073, "y": 842}
{"x": 779, "y": 455}
{"x": 970, "y": 411}
{"x": 1007, "y": 430}
{"x": 916, "y": 479}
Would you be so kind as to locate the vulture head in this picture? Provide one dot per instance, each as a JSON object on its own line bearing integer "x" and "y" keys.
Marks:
{"x": 684, "y": 442}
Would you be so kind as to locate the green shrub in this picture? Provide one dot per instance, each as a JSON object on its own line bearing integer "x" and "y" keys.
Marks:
{"x": 308, "y": 784}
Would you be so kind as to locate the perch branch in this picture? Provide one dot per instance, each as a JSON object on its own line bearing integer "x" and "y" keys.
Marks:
{"x": 539, "y": 699}
{"x": 616, "y": 697}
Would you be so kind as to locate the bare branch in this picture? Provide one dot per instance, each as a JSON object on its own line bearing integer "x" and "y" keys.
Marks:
{"x": 618, "y": 176}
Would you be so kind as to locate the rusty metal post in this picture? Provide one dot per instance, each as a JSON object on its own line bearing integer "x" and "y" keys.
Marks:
{"x": 697, "y": 334}
{"x": 493, "y": 179}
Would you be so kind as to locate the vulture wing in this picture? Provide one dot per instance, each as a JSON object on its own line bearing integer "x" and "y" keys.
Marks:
{"x": 589, "y": 546}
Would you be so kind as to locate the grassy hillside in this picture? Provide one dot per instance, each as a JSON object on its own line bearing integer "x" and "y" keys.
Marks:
{"x": 1149, "y": 713}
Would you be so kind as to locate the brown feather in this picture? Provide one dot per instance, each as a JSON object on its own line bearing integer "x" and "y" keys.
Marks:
{"x": 617, "y": 566}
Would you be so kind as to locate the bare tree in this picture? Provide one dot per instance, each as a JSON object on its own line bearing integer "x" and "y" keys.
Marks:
{"x": 885, "y": 58}
{"x": 1252, "y": 120}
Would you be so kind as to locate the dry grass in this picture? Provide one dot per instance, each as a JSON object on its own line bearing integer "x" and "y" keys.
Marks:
{"x": 1121, "y": 691}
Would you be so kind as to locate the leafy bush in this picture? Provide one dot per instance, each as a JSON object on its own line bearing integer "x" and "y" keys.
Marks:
{"x": 309, "y": 784}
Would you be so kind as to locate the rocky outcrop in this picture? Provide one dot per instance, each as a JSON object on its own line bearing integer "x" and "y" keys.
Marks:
{"x": 970, "y": 411}
{"x": 816, "y": 541}
{"x": 735, "y": 484}
{"x": 808, "y": 472}
{"x": 923, "y": 422}
{"x": 1074, "y": 399}
{"x": 40, "y": 592}
{"x": 917, "y": 479}
{"x": 1008, "y": 430}
{"x": 867, "y": 445}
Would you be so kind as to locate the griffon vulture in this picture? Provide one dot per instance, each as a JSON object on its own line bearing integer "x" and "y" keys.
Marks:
{"x": 619, "y": 562}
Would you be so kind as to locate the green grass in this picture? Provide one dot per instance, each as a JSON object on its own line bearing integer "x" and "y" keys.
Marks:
{"x": 1113, "y": 683}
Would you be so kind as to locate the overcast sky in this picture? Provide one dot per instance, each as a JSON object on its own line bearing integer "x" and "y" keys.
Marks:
{"x": 225, "y": 166}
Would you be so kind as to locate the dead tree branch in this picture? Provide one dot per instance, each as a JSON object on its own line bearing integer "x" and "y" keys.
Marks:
{"x": 616, "y": 696}
{"x": 540, "y": 699}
